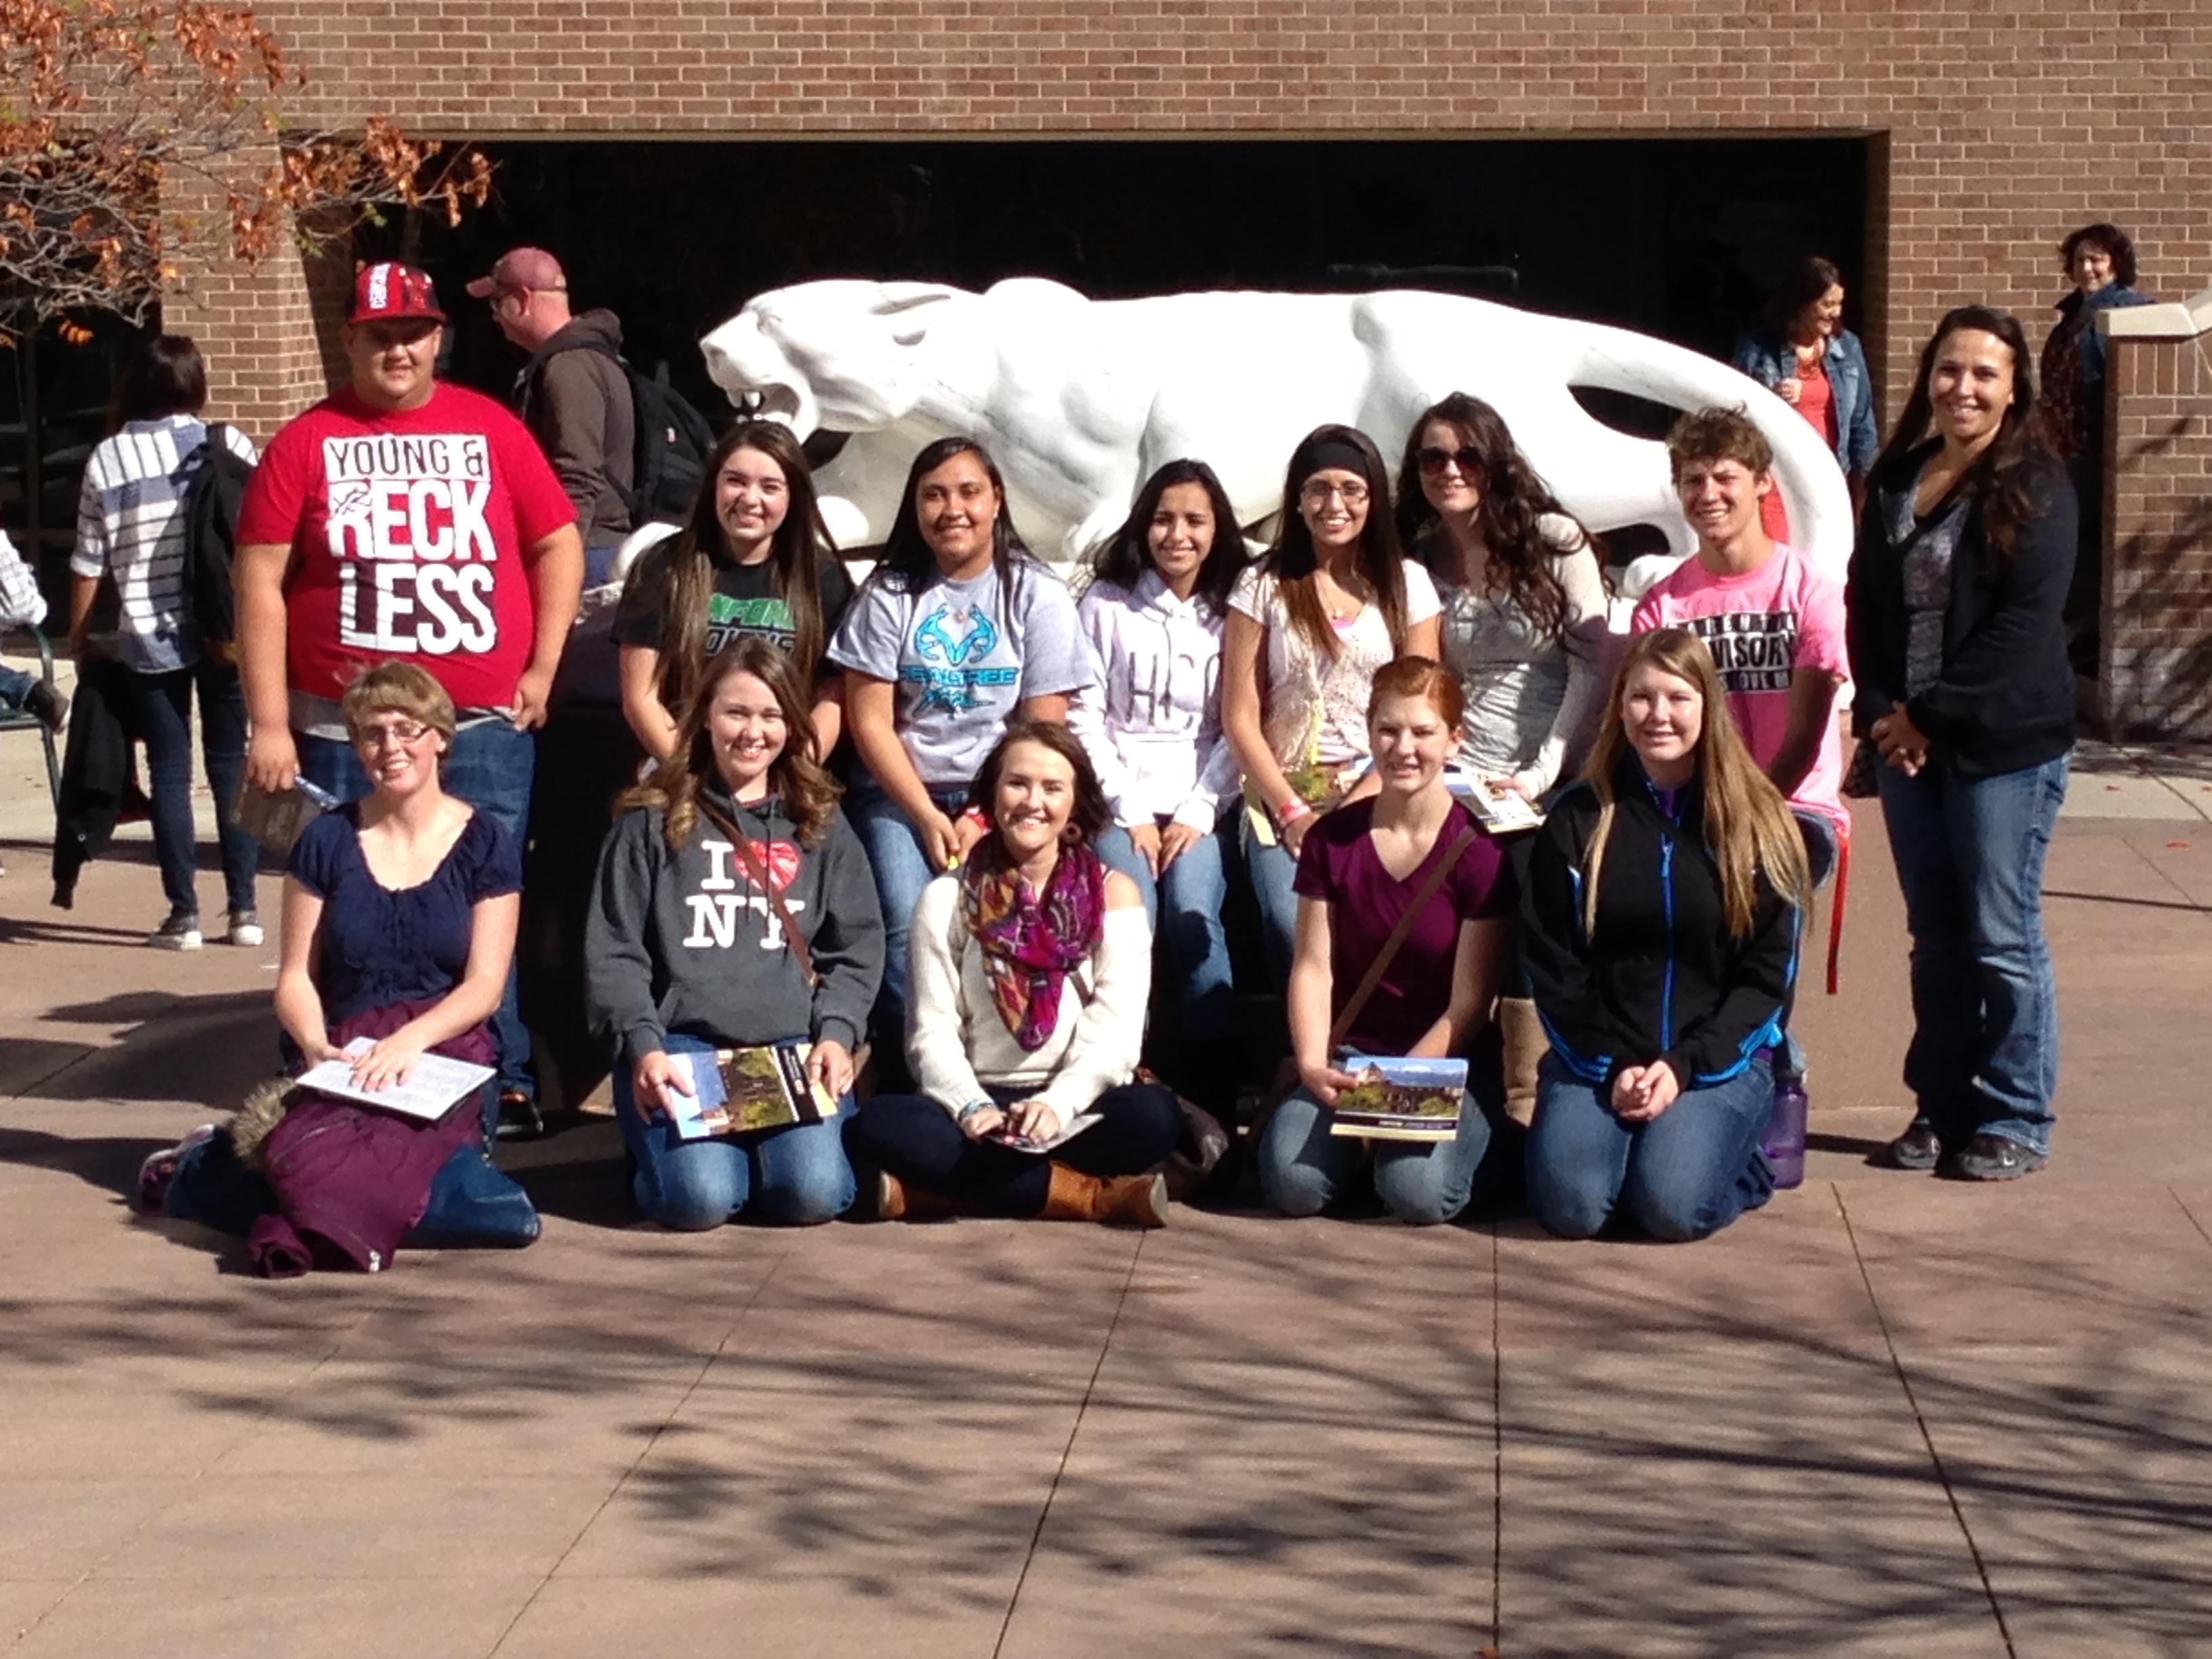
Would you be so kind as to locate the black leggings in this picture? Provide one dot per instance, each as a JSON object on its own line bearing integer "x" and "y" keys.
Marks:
{"x": 915, "y": 1139}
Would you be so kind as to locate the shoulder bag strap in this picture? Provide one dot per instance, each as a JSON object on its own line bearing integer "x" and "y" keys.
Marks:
{"x": 1384, "y": 959}
{"x": 761, "y": 880}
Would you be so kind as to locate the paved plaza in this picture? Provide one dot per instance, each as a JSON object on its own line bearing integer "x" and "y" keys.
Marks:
{"x": 1889, "y": 1415}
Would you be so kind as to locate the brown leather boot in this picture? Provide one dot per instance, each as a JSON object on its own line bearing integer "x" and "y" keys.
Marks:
{"x": 896, "y": 1202}
{"x": 1140, "y": 1201}
{"x": 1521, "y": 1033}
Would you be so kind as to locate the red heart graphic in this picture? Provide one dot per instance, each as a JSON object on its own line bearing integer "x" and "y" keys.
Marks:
{"x": 779, "y": 858}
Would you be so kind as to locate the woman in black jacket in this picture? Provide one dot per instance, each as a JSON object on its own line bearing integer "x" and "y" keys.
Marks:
{"x": 1660, "y": 934}
{"x": 1957, "y": 589}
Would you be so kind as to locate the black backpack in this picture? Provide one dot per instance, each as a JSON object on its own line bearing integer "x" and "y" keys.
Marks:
{"x": 668, "y": 462}
{"x": 214, "y": 477}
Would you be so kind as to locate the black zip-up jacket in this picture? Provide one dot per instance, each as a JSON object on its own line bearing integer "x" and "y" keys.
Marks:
{"x": 2004, "y": 700}
{"x": 1661, "y": 979}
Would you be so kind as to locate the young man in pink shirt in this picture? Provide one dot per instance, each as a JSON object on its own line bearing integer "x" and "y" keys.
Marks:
{"x": 1775, "y": 627}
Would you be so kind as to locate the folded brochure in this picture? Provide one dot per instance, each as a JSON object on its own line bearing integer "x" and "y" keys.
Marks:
{"x": 1497, "y": 805}
{"x": 1401, "y": 1099}
{"x": 434, "y": 1088}
{"x": 737, "y": 1090}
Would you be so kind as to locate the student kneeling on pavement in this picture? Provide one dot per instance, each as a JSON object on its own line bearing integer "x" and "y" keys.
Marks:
{"x": 399, "y": 925}
{"x": 1660, "y": 939}
{"x": 1362, "y": 866}
{"x": 734, "y": 908}
{"x": 1031, "y": 967}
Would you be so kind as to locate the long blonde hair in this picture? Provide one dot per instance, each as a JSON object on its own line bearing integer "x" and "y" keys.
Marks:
{"x": 1748, "y": 828}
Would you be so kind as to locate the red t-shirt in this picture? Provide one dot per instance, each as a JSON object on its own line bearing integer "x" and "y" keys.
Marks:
{"x": 407, "y": 532}
{"x": 1339, "y": 864}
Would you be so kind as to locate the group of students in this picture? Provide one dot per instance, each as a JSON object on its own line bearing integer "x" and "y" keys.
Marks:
{"x": 1042, "y": 788}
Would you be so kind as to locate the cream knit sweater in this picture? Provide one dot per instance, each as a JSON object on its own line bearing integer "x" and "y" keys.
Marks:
{"x": 957, "y": 1043}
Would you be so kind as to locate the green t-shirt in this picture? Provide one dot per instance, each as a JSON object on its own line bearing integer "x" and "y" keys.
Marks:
{"x": 743, "y": 602}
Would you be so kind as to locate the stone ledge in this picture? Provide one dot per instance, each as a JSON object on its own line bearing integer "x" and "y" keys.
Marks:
{"x": 2182, "y": 320}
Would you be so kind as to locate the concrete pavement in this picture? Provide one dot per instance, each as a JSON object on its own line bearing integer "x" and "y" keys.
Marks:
{"x": 1888, "y": 1415}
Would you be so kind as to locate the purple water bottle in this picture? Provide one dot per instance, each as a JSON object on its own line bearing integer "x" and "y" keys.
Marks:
{"x": 1783, "y": 1142}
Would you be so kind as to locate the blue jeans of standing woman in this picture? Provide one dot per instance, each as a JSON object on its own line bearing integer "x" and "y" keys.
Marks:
{"x": 1983, "y": 1058}
{"x": 165, "y": 715}
{"x": 1184, "y": 909}
{"x": 798, "y": 1175}
{"x": 1684, "y": 1174}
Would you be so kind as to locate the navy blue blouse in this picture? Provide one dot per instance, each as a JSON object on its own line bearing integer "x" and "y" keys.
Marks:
{"x": 379, "y": 946}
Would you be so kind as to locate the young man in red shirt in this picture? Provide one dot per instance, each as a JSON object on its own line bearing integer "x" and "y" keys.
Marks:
{"x": 403, "y": 518}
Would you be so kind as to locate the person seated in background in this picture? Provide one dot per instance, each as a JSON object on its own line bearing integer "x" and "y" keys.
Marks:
{"x": 398, "y": 923}
{"x": 21, "y": 605}
{"x": 1775, "y": 628}
{"x": 734, "y": 907}
{"x": 1660, "y": 934}
{"x": 1031, "y": 966}
{"x": 1409, "y": 846}
{"x": 755, "y": 561}
{"x": 957, "y": 631}
{"x": 1152, "y": 617}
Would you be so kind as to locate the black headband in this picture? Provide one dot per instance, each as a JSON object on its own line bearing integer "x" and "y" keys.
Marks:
{"x": 1321, "y": 454}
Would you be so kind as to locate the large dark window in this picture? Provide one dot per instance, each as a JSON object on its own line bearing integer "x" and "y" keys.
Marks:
{"x": 1678, "y": 237}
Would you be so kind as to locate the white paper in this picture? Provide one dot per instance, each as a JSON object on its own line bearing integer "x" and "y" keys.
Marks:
{"x": 437, "y": 1082}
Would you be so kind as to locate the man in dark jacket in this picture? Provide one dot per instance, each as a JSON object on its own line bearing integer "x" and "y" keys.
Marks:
{"x": 572, "y": 394}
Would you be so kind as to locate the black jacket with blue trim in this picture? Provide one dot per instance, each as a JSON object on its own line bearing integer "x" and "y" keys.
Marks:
{"x": 1663, "y": 980}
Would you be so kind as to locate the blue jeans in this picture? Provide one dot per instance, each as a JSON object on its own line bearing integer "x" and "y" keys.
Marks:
{"x": 1303, "y": 1166}
{"x": 901, "y": 871}
{"x": 797, "y": 1175}
{"x": 165, "y": 715}
{"x": 490, "y": 767}
{"x": 14, "y": 686}
{"x": 1191, "y": 893}
{"x": 1983, "y": 1058}
{"x": 1685, "y": 1174}
{"x": 1272, "y": 870}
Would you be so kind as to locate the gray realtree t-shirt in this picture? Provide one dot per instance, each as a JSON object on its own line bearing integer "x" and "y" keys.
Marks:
{"x": 960, "y": 656}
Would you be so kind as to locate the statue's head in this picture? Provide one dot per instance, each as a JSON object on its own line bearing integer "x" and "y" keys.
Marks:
{"x": 841, "y": 357}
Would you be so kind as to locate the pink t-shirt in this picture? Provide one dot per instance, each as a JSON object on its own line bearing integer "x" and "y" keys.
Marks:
{"x": 1761, "y": 628}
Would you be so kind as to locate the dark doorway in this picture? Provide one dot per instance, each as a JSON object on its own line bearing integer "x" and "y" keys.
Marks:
{"x": 1680, "y": 238}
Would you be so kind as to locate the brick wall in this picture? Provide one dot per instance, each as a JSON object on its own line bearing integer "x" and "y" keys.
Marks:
{"x": 2003, "y": 125}
{"x": 2156, "y": 675}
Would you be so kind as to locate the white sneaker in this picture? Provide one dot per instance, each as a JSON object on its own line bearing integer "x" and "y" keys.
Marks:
{"x": 245, "y": 927}
{"x": 181, "y": 932}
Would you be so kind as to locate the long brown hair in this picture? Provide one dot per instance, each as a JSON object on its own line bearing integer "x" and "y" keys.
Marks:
{"x": 1998, "y": 483}
{"x": 795, "y": 554}
{"x": 1514, "y": 502}
{"x": 807, "y": 791}
{"x": 1748, "y": 826}
{"x": 1379, "y": 559}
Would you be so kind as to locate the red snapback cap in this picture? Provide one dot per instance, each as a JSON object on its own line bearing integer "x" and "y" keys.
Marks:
{"x": 388, "y": 291}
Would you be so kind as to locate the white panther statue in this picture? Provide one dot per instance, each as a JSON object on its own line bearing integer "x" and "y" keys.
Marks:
{"x": 1077, "y": 400}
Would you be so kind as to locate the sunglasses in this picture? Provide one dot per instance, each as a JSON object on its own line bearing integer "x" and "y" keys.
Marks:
{"x": 1433, "y": 459}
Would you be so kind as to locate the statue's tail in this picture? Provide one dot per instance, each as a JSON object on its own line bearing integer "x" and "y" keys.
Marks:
{"x": 1805, "y": 468}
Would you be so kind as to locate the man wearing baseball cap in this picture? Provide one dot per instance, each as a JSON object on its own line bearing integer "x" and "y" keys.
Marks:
{"x": 402, "y": 518}
{"x": 572, "y": 394}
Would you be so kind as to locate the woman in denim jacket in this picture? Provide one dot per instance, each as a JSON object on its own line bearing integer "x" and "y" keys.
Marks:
{"x": 1809, "y": 360}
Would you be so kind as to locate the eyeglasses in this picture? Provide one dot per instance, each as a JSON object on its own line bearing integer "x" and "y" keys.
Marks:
{"x": 1318, "y": 494}
{"x": 1468, "y": 460}
{"x": 406, "y": 733}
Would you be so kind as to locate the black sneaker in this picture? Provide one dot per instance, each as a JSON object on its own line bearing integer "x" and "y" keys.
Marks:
{"x": 519, "y": 1117}
{"x": 47, "y": 706}
{"x": 181, "y": 932}
{"x": 1918, "y": 1148}
{"x": 1993, "y": 1157}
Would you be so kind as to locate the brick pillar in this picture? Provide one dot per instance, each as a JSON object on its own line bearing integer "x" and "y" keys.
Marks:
{"x": 2155, "y": 678}
{"x": 254, "y": 325}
